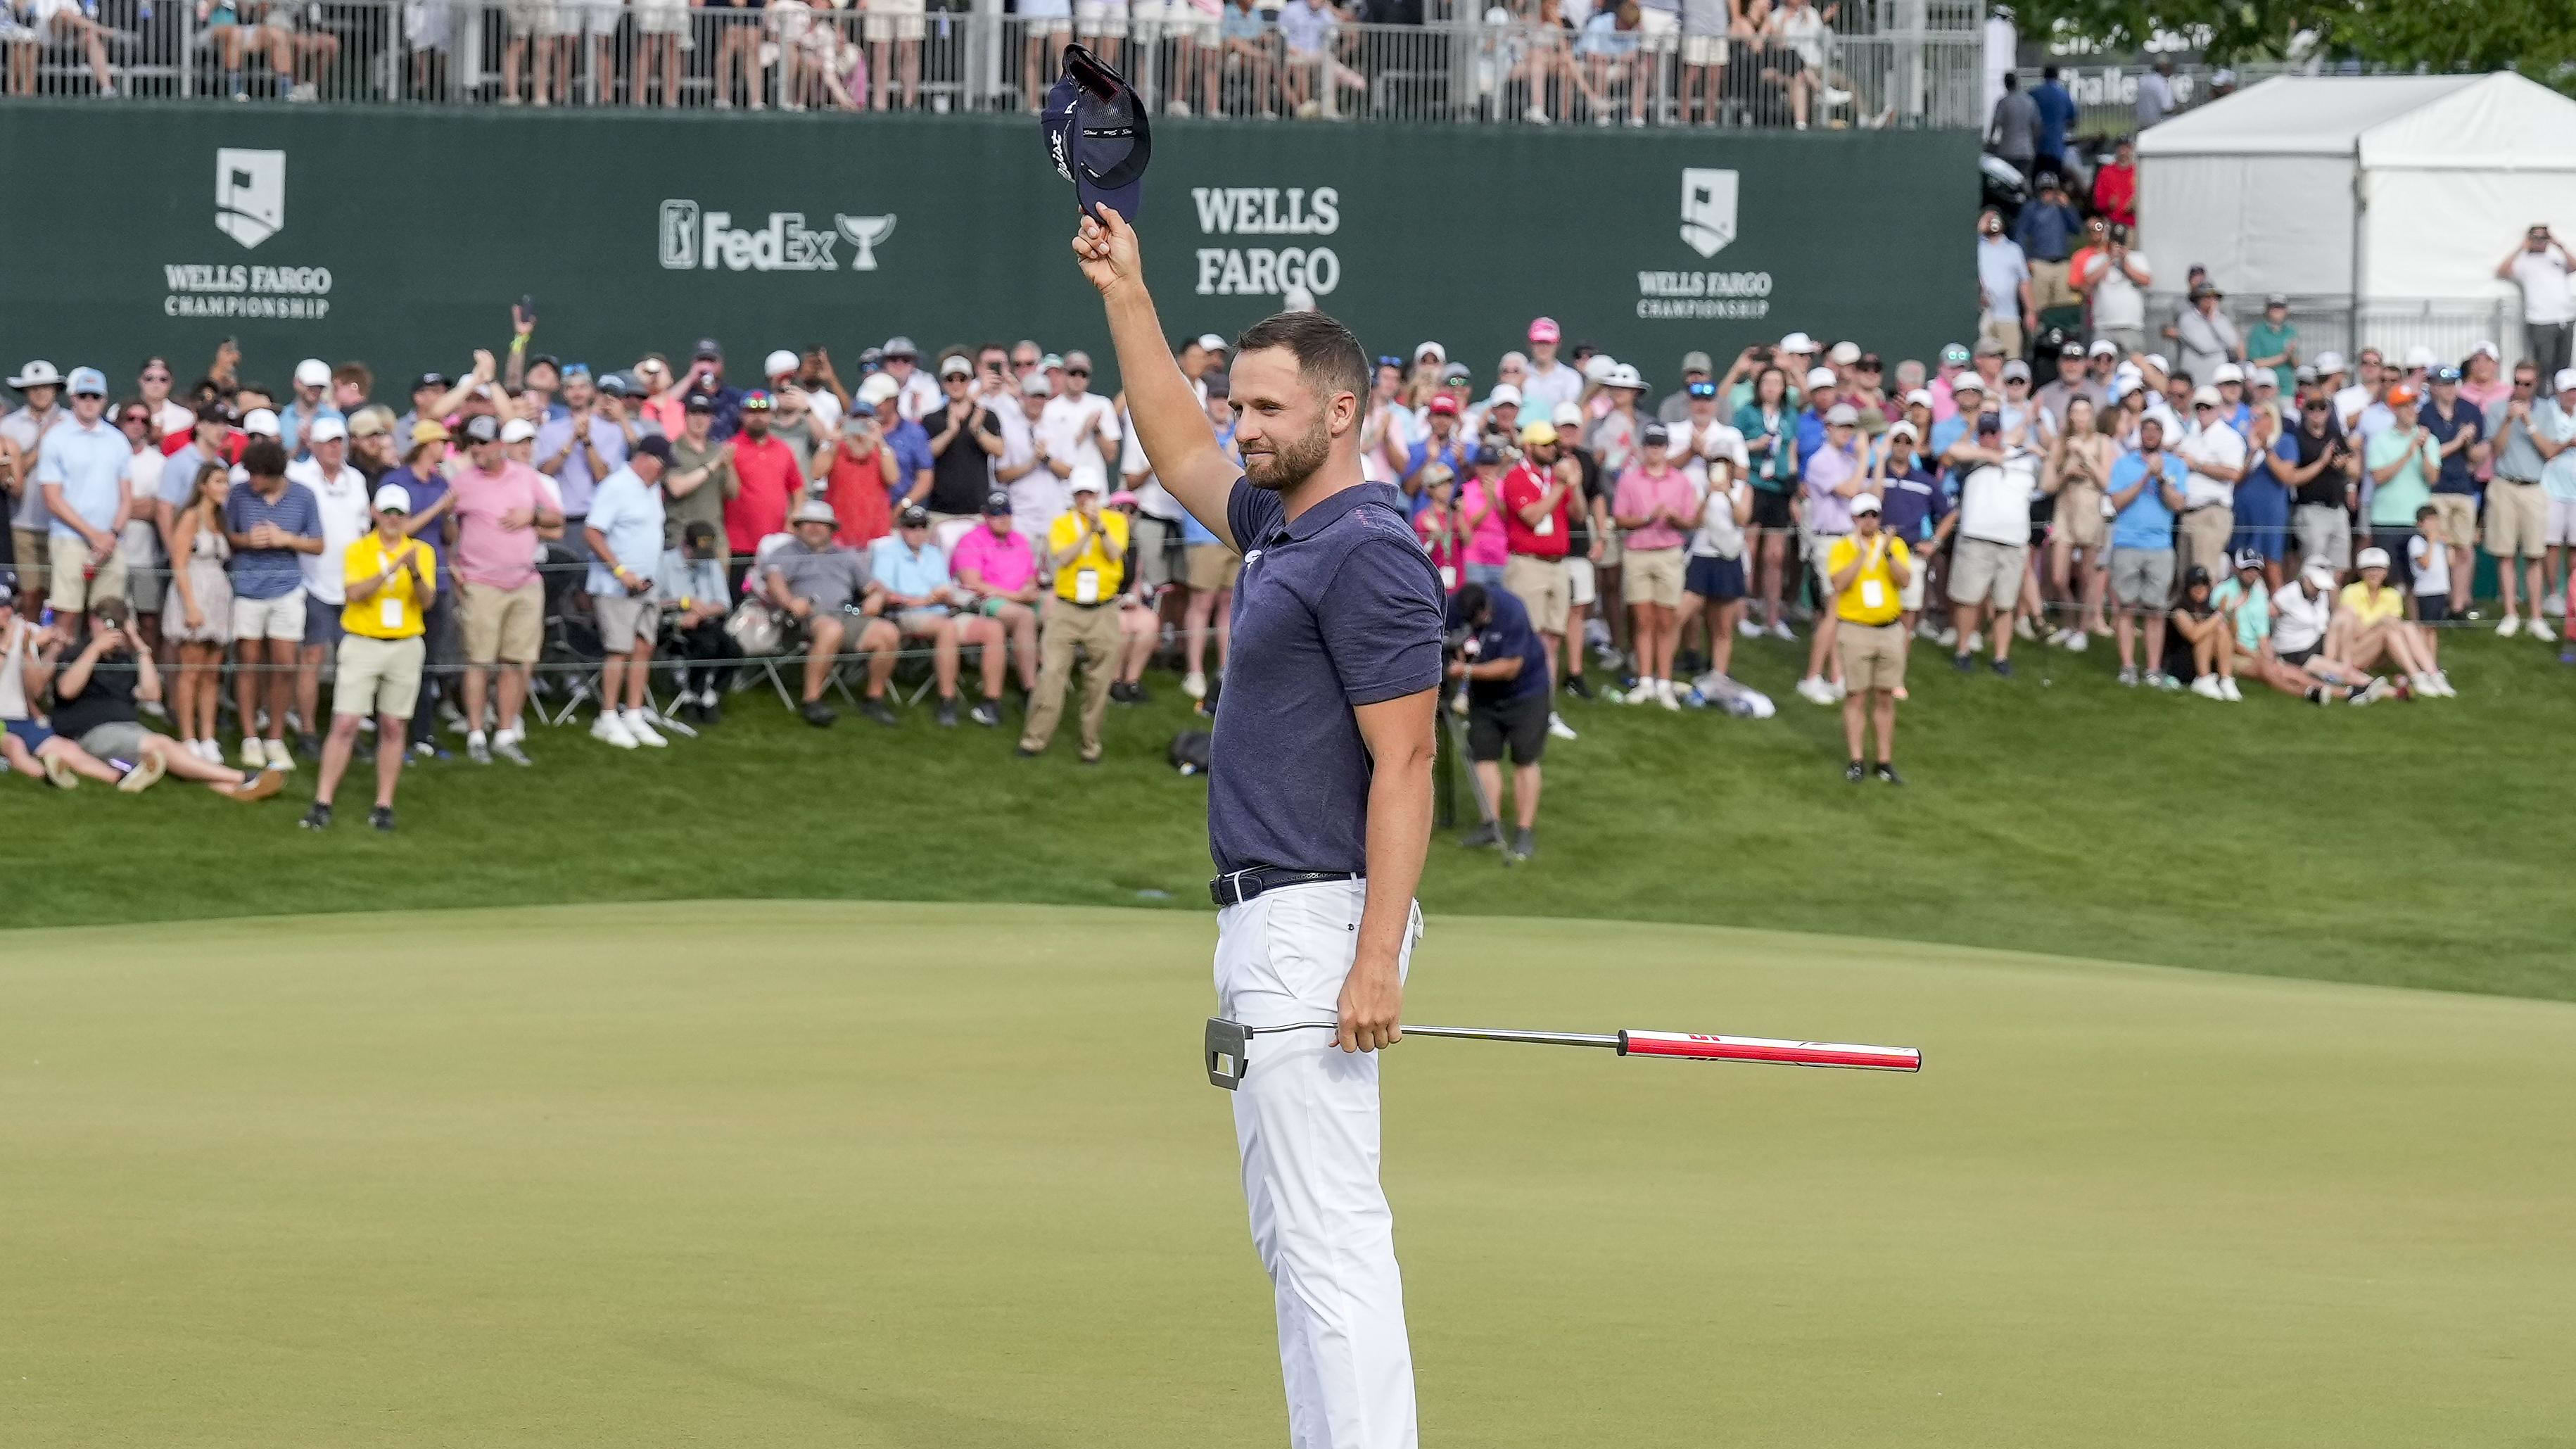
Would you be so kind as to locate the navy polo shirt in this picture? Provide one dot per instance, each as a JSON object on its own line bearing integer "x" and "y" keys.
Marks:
{"x": 1337, "y": 609}
{"x": 1507, "y": 634}
{"x": 2456, "y": 476}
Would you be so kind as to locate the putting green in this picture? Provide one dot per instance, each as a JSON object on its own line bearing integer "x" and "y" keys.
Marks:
{"x": 769, "y": 1174}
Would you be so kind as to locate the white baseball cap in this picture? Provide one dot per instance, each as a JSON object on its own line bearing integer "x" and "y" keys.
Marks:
{"x": 1086, "y": 479}
{"x": 1596, "y": 368}
{"x": 1821, "y": 377}
{"x": 259, "y": 423}
{"x": 2103, "y": 347}
{"x": 2329, "y": 363}
{"x": 878, "y": 388}
{"x": 2419, "y": 355}
{"x": 1842, "y": 415}
{"x": 518, "y": 430}
{"x": 2371, "y": 558}
{"x": 1904, "y": 427}
{"x": 313, "y": 372}
{"x": 325, "y": 430}
{"x": 1967, "y": 382}
{"x": 1844, "y": 354}
{"x": 1864, "y": 503}
{"x": 1920, "y": 397}
{"x": 2566, "y": 380}
{"x": 1431, "y": 350}
{"x": 1798, "y": 342}
{"x": 2206, "y": 394}
{"x": 2158, "y": 359}
{"x": 393, "y": 498}
{"x": 777, "y": 362}
{"x": 2227, "y": 372}
{"x": 2487, "y": 349}
{"x": 1504, "y": 395}
{"x": 1210, "y": 342}
{"x": 1567, "y": 415}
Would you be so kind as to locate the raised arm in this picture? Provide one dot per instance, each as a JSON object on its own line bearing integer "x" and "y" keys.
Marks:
{"x": 1170, "y": 423}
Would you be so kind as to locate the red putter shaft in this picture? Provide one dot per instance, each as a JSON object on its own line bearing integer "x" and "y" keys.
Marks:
{"x": 1702, "y": 1047}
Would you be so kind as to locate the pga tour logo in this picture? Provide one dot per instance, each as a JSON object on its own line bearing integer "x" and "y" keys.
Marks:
{"x": 693, "y": 239}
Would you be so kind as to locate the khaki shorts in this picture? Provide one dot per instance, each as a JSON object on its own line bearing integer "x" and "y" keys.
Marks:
{"x": 2458, "y": 515}
{"x": 895, "y": 20}
{"x": 2517, "y": 515}
{"x": 1543, "y": 589}
{"x": 626, "y": 622}
{"x": 1985, "y": 572}
{"x": 75, "y": 588}
{"x": 33, "y": 549}
{"x": 1213, "y": 566}
{"x": 2080, "y": 521}
{"x": 281, "y": 618}
{"x": 1873, "y": 655}
{"x": 1703, "y": 50}
{"x": 378, "y": 677}
{"x": 1654, "y": 576}
{"x": 504, "y": 625}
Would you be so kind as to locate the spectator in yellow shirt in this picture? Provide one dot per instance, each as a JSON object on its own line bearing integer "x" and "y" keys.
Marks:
{"x": 1869, "y": 571}
{"x": 2370, "y": 625}
{"x": 1087, "y": 553}
{"x": 391, "y": 580}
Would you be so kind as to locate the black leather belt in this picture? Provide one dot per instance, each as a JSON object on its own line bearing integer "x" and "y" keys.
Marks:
{"x": 1235, "y": 887}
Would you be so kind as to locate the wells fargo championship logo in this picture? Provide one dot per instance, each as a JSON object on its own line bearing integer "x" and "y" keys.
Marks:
{"x": 1228, "y": 212}
{"x": 250, "y": 208}
{"x": 1707, "y": 227}
{"x": 697, "y": 238}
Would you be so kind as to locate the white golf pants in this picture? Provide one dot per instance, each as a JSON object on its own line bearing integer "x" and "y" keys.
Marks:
{"x": 1306, "y": 1120}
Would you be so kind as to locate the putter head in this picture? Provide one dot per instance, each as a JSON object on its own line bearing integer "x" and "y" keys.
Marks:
{"x": 1228, "y": 1045}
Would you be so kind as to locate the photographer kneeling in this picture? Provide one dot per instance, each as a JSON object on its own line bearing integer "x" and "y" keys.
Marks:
{"x": 1504, "y": 665}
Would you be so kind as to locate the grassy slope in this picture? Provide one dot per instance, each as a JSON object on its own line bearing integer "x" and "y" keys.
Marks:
{"x": 923, "y": 1176}
{"x": 2416, "y": 844}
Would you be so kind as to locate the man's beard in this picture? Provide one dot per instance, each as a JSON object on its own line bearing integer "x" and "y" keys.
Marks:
{"x": 1294, "y": 462}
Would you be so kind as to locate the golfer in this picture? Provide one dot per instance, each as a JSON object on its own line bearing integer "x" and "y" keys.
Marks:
{"x": 1319, "y": 811}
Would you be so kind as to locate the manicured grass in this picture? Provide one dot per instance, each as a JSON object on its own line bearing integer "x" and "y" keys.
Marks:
{"x": 2418, "y": 844}
{"x": 770, "y": 1173}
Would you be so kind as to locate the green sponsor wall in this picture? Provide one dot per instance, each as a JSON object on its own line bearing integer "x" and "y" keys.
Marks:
{"x": 401, "y": 237}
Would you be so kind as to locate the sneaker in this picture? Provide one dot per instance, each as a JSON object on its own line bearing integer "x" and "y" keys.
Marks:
{"x": 1926, "y": 632}
{"x": 382, "y": 818}
{"x": 1664, "y": 695}
{"x": 1780, "y": 631}
{"x": 2442, "y": 685}
{"x": 1948, "y": 638}
{"x": 145, "y": 774}
{"x": 1814, "y": 691}
{"x": 1557, "y": 728}
{"x": 507, "y": 747}
{"x": 710, "y": 709}
{"x": 987, "y": 714}
{"x": 1855, "y": 772}
{"x": 1118, "y": 691}
{"x": 2510, "y": 626}
{"x": 276, "y": 755}
{"x": 2228, "y": 691}
{"x": 2540, "y": 628}
{"x": 2024, "y": 629}
{"x": 946, "y": 715}
{"x": 317, "y": 818}
{"x": 820, "y": 715}
{"x": 2077, "y": 641}
{"x": 2002, "y": 668}
{"x": 1177, "y": 108}
{"x": 252, "y": 756}
{"x": 1194, "y": 685}
{"x": 2128, "y": 677}
{"x": 1977, "y": 642}
{"x": 2361, "y": 694}
{"x": 59, "y": 773}
{"x": 477, "y": 749}
{"x": 1963, "y": 664}
{"x": 2554, "y": 605}
{"x": 640, "y": 726}
{"x": 1137, "y": 693}
{"x": 610, "y": 730}
{"x": 1576, "y": 685}
{"x": 1748, "y": 629}
{"x": 1834, "y": 691}
{"x": 1524, "y": 845}
{"x": 1483, "y": 837}
{"x": 2057, "y": 638}
{"x": 259, "y": 786}
{"x": 2169, "y": 683}
{"x": 1887, "y": 772}
{"x": 876, "y": 709}
{"x": 2206, "y": 686}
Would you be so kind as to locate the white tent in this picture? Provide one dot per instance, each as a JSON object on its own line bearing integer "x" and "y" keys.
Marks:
{"x": 2369, "y": 187}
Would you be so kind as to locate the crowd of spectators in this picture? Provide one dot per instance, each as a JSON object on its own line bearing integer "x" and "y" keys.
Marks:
{"x": 1742, "y": 62}
{"x": 643, "y": 539}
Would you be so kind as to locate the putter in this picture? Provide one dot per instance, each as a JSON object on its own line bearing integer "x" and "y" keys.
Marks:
{"x": 1229, "y": 1047}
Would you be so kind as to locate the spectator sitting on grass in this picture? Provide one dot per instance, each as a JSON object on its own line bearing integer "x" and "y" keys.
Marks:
{"x": 910, "y": 573}
{"x": 821, "y": 584}
{"x": 997, "y": 573}
{"x": 2370, "y": 624}
{"x": 2302, "y": 620}
{"x": 2204, "y": 634}
{"x": 29, "y": 746}
{"x": 95, "y": 695}
{"x": 694, "y": 589}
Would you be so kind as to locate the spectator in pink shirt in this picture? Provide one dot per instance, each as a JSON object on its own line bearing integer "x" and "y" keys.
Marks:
{"x": 1658, "y": 506}
{"x": 994, "y": 565}
{"x": 499, "y": 507}
{"x": 1485, "y": 547}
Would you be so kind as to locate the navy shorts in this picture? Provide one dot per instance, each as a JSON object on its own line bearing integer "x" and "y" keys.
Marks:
{"x": 1719, "y": 580}
{"x": 2432, "y": 608}
{"x": 30, "y": 733}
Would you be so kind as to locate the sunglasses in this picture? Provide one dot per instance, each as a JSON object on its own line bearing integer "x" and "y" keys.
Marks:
{"x": 156, "y": 377}
{"x": 1390, "y": 362}
{"x": 2204, "y": 407}
{"x": 1077, "y": 372}
{"x": 133, "y": 420}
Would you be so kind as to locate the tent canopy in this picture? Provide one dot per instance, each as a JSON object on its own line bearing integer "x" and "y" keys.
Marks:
{"x": 2375, "y": 186}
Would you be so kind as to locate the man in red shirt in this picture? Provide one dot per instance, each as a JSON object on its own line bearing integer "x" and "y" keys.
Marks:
{"x": 1537, "y": 523}
{"x": 2115, "y": 186}
{"x": 771, "y": 480}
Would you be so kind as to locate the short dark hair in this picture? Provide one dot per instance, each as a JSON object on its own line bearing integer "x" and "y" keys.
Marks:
{"x": 2427, "y": 511}
{"x": 1328, "y": 354}
{"x": 1472, "y": 602}
{"x": 264, "y": 458}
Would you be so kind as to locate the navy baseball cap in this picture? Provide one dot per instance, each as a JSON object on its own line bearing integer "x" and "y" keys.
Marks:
{"x": 1097, "y": 135}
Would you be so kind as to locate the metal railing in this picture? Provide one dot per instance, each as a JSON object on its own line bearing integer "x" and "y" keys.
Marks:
{"x": 1910, "y": 63}
{"x": 2450, "y": 327}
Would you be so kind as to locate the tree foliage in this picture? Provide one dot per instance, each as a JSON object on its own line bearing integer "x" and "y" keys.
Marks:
{"x": 2535, "y": 37}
